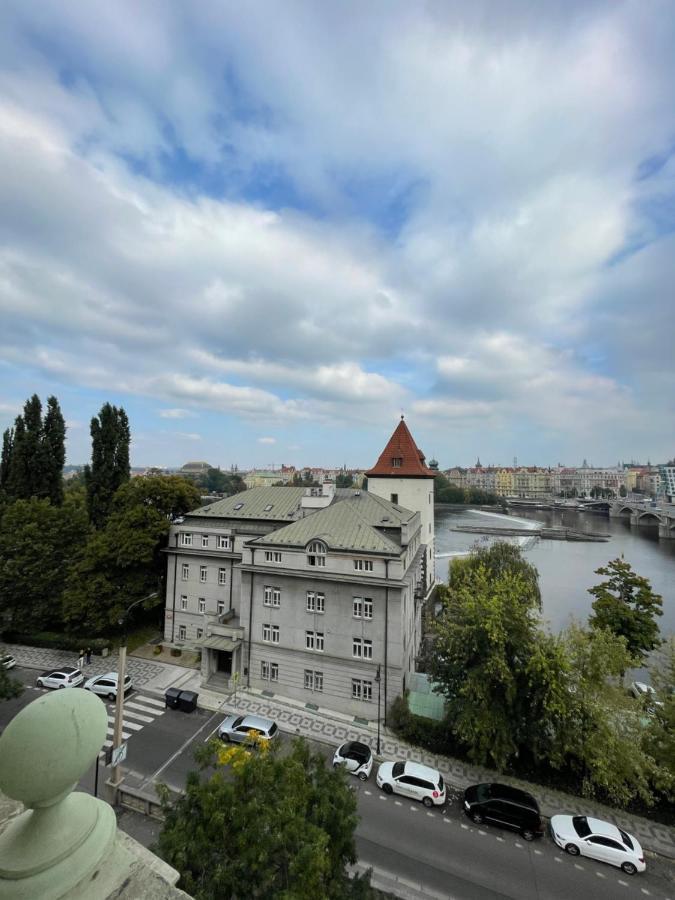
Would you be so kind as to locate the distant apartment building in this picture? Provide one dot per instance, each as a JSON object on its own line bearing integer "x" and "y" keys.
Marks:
{"x": 312, "y": 593}
{"x": 667, "y": 480}
{"x": 261, "y": 478}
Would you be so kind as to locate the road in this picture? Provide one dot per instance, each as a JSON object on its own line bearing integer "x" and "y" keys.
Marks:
{"x": 439, "y": 849}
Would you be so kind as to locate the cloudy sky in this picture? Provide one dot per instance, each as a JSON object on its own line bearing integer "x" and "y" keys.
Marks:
{"x": 266, "y": 229}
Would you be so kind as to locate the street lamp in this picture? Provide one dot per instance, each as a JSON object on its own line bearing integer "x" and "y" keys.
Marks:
{"x": 119, "y": 699}
{"x": 378, "y": 681}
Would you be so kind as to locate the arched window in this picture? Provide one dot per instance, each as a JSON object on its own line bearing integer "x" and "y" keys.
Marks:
{"x": 316, "y": 553}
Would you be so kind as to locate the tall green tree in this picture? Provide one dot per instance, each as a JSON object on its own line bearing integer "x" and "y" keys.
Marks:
{"x": 484, "y": 641}
{"x": 499, "y": 558}
{"x": 270, "y": 825}
{"x": 626, "y": 604}
{"x": 109, "y": 467}
{"x": 18, "y": 476}
{"x": 123, "y": 561}
{"x": 6, "y": 458}
{"x": 602, "y": 734}
{"x": 37, "y": 543}
{"x": 54, "y": 444}
{"x": 9, "y": 687}
{"x": 660, "y": 734}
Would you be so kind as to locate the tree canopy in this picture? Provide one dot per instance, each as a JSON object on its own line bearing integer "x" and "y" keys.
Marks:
{"x": 33, "y": 454}
{"x": 263, "y": 824}
{"x": 626, "y": 604}
{"x": 109, "y": 467}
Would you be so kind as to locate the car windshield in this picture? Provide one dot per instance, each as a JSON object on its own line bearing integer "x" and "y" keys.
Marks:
{"x": 626, "y": 839}
{"x": 440, "y": 783}
{"x": 273, "y": 728}
{"x": 398, "y": 769}
{"x": 581, "y": 826}
{"x": 237, "y": 722}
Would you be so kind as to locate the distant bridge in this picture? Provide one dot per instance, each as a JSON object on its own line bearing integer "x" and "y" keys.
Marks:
{"x": 646, "y": 514}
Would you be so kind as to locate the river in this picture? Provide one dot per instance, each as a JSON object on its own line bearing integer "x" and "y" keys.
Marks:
{"x": 566, "y": 568}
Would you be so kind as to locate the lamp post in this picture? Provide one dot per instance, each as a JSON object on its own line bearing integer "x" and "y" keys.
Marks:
{"x": 378, "y": 681}
{"x": 119, "y": 698}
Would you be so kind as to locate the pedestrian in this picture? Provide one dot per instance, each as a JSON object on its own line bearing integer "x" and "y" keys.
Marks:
{"x": 88, "y": 656}
{"x": 80, "y": 662}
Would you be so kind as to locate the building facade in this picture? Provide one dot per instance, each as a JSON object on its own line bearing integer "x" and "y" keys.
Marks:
{"x": 309, "y": 592}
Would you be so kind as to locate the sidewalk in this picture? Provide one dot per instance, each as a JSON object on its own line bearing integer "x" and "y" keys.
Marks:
{"x": 333, "y": 728}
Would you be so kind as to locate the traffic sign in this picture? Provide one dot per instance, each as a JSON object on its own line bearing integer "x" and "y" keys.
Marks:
{"x": 119, "y": 754}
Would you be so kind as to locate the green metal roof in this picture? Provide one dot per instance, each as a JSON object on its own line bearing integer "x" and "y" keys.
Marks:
{"x": 284, "y": 503}
{"x": 341, "y": 526}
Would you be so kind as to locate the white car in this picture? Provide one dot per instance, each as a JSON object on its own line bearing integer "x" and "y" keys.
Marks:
{"x": 582, "y": 835}
{"x": 106, "y": 685}
{"x": 65, "y": 677}
{"x": 412, "y": 780}
{"x": 356, "y": 757}
{"x": 642, "y": 691}
{"x": 7, "y": 662}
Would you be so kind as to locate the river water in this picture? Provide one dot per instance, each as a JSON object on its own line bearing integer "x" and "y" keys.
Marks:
{"x": 566, "y": 568}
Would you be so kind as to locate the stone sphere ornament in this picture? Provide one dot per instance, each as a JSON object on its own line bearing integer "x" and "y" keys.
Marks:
{"x": 62, "y": 837}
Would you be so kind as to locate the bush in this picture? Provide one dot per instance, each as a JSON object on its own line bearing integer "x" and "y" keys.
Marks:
{"x": 157, "y": 649}
{"x": 175, "y": 651}
{"x": 54, "y": 640}
{"x": 434, "y": 736}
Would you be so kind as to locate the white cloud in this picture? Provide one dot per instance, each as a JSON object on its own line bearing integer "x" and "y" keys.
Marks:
{"x": 267, "y": 440}
{"x": 188, "y": 435}
{"x": 175, "y": 413}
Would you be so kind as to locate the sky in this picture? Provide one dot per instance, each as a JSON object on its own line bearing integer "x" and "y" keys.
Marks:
{"x": 269, "y": 229}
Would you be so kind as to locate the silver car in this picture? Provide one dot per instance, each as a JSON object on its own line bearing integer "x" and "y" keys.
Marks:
{"x": 106, "y": 685}
{"x": 65, "y": 677}
{"x": 247, "y": 729}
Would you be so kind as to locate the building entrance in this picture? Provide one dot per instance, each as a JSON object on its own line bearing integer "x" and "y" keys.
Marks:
{"x": 224, "y": 662}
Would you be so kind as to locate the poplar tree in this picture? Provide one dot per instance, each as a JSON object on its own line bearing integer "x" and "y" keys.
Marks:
{"x": 17, "y": 477}
{"x": 109, "y": 468}
{"x": 54, "y": 443}
{"x": 6, "y": 459}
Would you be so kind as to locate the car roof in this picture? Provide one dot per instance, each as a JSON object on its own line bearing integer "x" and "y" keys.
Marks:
{"x": 515, "y": 795}
{"x": 420, "y": 771}
{"x": 606, "y": 829}
{"x": 356, "y": 747}
{"x": 257, "y": 722}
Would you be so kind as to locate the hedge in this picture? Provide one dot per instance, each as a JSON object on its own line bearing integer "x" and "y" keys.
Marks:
{"x": 54, "y": 640}
{"x": 422, "y": 732}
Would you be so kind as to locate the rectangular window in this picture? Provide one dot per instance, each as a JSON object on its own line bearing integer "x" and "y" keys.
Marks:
{"x": 362, "y": 648}
{"x": 183, "y": 602}
{"x": 367, "y": 608}
{"x": 363, "y": 565}
{"x": 182, "y": 633}
{"x": 221, "y": 607}
{"x": 316, "y": 602}
{"x": 362, "y": 690}
{"x": 357, "y": 607}
{"x": 201, "y": 604}
{"x": 314, "y": 640}
{"x": 205, "y": 540}
{"x": 185, "y": 571}
{"x": 185, "y": 539}
{"x": 200, "y": 633}
{"x": 272, "y": 556}
{"x": 224, "y": 542}
{"x": 270, "y": 633}
{"x": 394, "y": 498}
{"x": 396, "y": 462}
{"x": 202, "y": 573}
{"x": 222, "y": 575}
{"x": 272, "y": 596}
{"x": 313, "y": 680}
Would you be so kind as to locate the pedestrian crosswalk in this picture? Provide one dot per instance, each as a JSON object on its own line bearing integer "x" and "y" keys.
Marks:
{"x": 139, "y": 710}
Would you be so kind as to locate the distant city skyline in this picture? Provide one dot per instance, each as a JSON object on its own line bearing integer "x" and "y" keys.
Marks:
{"x": 266, "y": 230}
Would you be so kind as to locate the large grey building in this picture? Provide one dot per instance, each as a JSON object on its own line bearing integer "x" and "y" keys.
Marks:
{"x": 309, "y": 592}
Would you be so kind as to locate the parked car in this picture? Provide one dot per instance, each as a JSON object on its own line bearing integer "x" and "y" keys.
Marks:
{"x": 65, "y": 677}
{"x": 7, "y": 662}
{"x": 247, "y": 729}
{"x": 642, "y": 691}
{"x": 582, "y": 835}
{"x": 506, "y": 806}
{"x": 356, "y": 757}
{"x": 106, "y": 685}
{"x": 412, "y": 780}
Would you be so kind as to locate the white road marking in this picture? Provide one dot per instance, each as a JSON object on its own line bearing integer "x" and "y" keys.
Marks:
{"x": 538, "y": 852}
{"x": 382, "y": 797}
{"x": 132, "y": 704}
{"x": 623, "y": 883}
{"x": 601, "y": 875}
{"x": 368, "y": 793}
{"x": 645, "y": 891}
{"x": 577, "y": 866}
{"x": 447, "y": 821}
{"x": 483, "y": 833}
{"x": 398, "y": 803}
{"x": 557, "y": 859}
{"x": 465, "y": 827}
{"x": 153, "y": 701}
{"x": 125, "y": 734}
{"x": 414, "y": 809}
{"x": 500, "y": 839}
{"x": 133, "y": 726}
{"x": 131, "y": 714}
{"x": 519, "y": 845}
{"x": 430, "y": 814}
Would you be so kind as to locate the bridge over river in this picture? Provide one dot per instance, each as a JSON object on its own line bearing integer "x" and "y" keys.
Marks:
{"x": 646, "y": 513}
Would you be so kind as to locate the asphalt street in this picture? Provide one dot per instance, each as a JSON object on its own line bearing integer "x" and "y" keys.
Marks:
{"x": 439, "y": 849}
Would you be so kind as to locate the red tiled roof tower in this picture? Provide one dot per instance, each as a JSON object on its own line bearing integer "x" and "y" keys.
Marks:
{"x": 401, "y": 458}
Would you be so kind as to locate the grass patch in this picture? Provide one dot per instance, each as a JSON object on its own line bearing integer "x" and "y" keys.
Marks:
{"x": 141, "y": 636}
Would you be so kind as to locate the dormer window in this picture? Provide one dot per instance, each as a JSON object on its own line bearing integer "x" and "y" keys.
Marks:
{"x": 238, "y": 505}
{"x": 268, "y": 507}
{"x": 397, "y": 462}
{"x": 316, "y": 554}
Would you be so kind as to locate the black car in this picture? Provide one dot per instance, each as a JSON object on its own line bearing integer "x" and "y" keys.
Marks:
{"x": 504, "y": 805}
